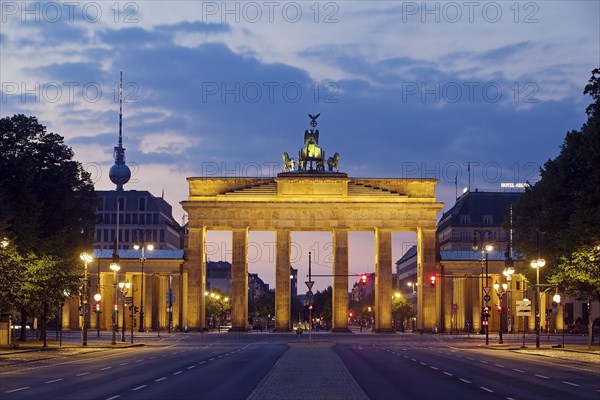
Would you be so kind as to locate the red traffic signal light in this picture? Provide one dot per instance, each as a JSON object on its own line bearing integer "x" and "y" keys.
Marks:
{"x": 351, "y": 314}
{"x": 310, "y": 307}
{"x": 363, "y": 279}
{"x": 97, "y": 307}
{"x": 432, "y": 280}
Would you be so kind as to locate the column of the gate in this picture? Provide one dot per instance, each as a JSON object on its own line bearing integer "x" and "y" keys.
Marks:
{"x": 239, "y": 280}
{"x": 340, "y": 280}
{"x": 196, "y": 259}
{"x": 282, "y": 281}
{"x": 383, "y": 280}
{"x": 429, "y": 309}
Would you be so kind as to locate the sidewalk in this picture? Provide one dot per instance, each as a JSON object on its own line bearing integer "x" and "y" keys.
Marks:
{"x": 324, "y": 376}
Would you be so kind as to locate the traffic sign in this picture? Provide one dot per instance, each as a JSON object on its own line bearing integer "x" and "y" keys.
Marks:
{"x": 309, "y": 284}
{"x": 486, "y": 290}
{"x": 309, "y": 294}
{"x": 523, "y": 308}
{"x": 486, "y": 298}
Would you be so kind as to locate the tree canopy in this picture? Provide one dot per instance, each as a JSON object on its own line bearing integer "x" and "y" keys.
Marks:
{"x": 559, "y": 216}
{"x": 47, "y": 209}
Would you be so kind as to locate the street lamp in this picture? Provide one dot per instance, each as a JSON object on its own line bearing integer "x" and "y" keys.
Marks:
{"x": 485, "y": 249}
{"x": 87, "y": 258}
{"x": 500, "y": 305}
{"x": 124, "y": 287}
{"x": 148, "y": 247}
{"x": 115, "y": 267}
{"x": 556, "y": 299}
{"x": 508, "y": 273}
{"x": 97, "y": 298}
{"x": 537, "y": 264}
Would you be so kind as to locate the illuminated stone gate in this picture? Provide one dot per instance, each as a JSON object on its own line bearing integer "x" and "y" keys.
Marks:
{"x": 310, "y": 199}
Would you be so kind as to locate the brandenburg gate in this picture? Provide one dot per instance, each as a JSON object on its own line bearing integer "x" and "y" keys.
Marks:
{"x": 305, "y": 197}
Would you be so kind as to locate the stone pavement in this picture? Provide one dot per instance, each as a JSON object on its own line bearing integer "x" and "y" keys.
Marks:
{"x": 324, "y": 376}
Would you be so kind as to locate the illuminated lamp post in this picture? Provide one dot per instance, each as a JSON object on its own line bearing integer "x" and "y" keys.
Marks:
{"x": 537, "y": 264}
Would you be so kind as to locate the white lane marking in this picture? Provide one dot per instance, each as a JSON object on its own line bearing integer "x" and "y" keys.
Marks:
{"x": 469, "y": 358}
{"x": 210, "y": 359}
{"x": 412, "y": 359}
{"x": 464, "y": 380}
{"x": 220, "y": 356}
{"x": 486, "y": 389}
{"x": 139, "y": 387}
{"x": 191, "y": 366}
{"x": 484, "y": 362}
{"x": 542, "y": 376}
{"x": 152, "y": 358}
{"x": 54, "y": 380}
{"x": 448, "y": 373}
{"x": 160, "y": 379}
{"x": 164, "y": 355}
{"x": 432, "y": 367}
{"x": 202, "y": 362}
{"x": 498, "y": 365}
{"x": 18, "y": 389}
{"x": 137, "y": 361}
{"x": 405, "y": 356}
{"x": 105, "y": 368}
{"x": 125, "y": 363}
{"x": 82, "y": 374}
{"x": 114, "y": 397}
{"x": 518, "y": 370}
{"x": 177, "y": 373}
{"x": 570, "y": 383}
{"x": 422, "y": 363}
{"x": 509, "y": 398}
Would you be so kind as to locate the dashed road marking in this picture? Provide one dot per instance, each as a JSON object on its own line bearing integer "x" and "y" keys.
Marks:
{"x": 422, "y": 363}
{"x": 483, "y": 362}
{"x": 152, "y": 358}
{"x": 82, "y": 374}
{"x": 469, "y": 358}
{"x": 542, "y": 376}
{"x": 412, "y": 359}
{"x": 18, "y": 389}
{"x": 498, "y": 365}
{"x": 54, "y": 380}
{"x": 105, "y": 368}
{"x": 432, "y": 367}
{"x": 139, "y": 387}
{"x": 114, "y": 397}
{"x": 125, "y": 363}
{"x": 201, "y": 362}
{"x": 486, "y": 389}
{"x": 570, "y": 383}
{"x": 518, "y": 370}
{"x": 137, "y": 361}
{"x": 210, "y": 359}
{"x": 448, "y": 373}
{"x": 160, "y": 379}
{"x": 464, "y": 380}
{"x": 177, "y": 373}
{"x": 191, "y": 366}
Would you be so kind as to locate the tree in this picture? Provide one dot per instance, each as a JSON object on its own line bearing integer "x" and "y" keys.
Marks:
{"x": 401, "y": 311}
{"x": 560, "y": 214}
{"x": 322, "y": 302}
{"x": 579, "y": 274}
{"x": 48, "y": 202}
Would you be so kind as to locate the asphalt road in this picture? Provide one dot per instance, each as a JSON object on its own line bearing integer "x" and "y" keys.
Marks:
{"x": 231, "y": 367}
{"x": 179, "y": 370}
{"x": 441, "y": 370}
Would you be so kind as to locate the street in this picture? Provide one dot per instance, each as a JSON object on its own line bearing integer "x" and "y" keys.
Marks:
{"x": 231, "y": 366}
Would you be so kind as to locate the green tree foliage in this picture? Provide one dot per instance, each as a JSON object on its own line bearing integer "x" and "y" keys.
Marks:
{"x": 560, "y": 214}
{"x": 47, "y": 203}
{"x": 323, "y": 305}
{"x": 262, "y": 306}
{"x": 48, "y": 199}
{"x": 402, "y": 310}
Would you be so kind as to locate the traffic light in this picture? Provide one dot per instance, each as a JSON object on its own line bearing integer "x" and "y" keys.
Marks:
{"x": 363, "y": 279}
{"x": 432, "y": 280}
{"x": 369, "y": 309}
{"x": 116, "y": 307}
{"x": 351, "y": 314}
{"x": 97, "y": 308}
{"x": 310, "y": 307}
{"x": 500, "y": 308}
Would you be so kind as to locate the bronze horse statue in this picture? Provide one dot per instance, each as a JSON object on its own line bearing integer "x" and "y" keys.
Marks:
{"x": 332, "y": 162}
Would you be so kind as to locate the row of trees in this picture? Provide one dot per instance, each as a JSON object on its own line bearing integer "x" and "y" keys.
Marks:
{"x": 47, "y": 207}
{"x": 558, "y": 218}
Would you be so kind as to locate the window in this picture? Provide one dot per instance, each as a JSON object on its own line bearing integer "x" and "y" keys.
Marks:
{"x": 142, "y": 219}
{"x": 134, "y": 219}
{"x": 106, "y": 239}
{"x": 121, "y": 201}
{"x": 465, "y": 219}
{"x": 487, "y": 220}
{"x": 155, "y": 219}
{"x": 127, "y": 235}
{"x": 142, "y": 204}
{"x": 98, "y": 235}
{"x": 465, "y": 237}
{"x": 128, "y": 219}
{"x": 162, "y": 235}
{"x": 100, "y": 206}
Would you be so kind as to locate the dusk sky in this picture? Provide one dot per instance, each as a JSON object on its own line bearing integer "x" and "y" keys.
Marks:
{"x": 405, "y": 89}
